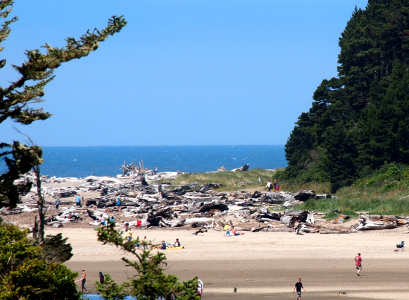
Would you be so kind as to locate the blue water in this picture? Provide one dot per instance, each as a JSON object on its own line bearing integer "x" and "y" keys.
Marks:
{"x": 80, "y": 161}
{"x": 98, "y": 297}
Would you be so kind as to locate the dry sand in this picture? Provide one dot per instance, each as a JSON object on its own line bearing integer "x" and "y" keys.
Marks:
{"x": 263, "y": 265}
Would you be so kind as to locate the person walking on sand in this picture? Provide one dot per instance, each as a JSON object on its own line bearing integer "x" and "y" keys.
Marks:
{"x": 199, "y": 287}
{"x": 84, "y": 279}
{"x": 101, "y": 278}
{"x": 298, "y": 286}
{"x": 358, "y": 264}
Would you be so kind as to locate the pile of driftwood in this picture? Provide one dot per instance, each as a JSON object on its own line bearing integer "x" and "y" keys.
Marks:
{"x": 194, "y": 205}
{"x": 67, "y": 215}
{"x": 165, "y": 206}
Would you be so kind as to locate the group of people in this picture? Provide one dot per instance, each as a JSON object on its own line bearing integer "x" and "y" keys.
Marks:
{"x": 298, "y": 285}
{"x": 83, "y": 279}
{"x": 104, "y": 222}
{"x": 79, "y": 200}
{"x": 231, "y": 231}
{"x": 273, "y": 185}
{"x": 163, "y": 245}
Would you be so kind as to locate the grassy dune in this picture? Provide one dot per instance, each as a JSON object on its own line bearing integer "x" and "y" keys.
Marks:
{"x": 385, "y": 191}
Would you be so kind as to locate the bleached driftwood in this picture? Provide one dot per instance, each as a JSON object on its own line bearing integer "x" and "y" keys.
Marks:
{"x": 368, "y": 222}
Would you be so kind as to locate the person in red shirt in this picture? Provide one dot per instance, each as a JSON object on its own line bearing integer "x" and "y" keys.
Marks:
{"x": 358, "y": 264}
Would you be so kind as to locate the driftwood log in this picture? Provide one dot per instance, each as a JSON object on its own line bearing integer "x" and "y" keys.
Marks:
{"x": 201, "y": 230}
{"x": 304, "y": 195}
{"x": 368, "y": 222}
{"x": 209, "y": 206}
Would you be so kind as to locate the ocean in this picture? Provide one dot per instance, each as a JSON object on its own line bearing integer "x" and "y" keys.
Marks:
{"x": 106, "y": 161}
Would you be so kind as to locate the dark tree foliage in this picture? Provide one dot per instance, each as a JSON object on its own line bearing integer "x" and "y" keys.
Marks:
{"x": 26, "y": 273}
{"x": 17, "y": 99}
{"x": 358, "y": 120}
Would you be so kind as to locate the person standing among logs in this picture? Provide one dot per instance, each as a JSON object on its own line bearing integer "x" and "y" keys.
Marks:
{"x": 269, "y": 185}
{"x": 358, "y": 264}
{"x": 78, "y": 200}
{"x": 276, "y": 185}
{"x": 57, "y": 202}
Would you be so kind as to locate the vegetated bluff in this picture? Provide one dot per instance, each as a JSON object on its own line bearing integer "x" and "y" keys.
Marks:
{"x": 358, "y": 120}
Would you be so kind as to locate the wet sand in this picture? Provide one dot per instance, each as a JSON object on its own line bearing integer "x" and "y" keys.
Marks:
{"x": 263, "y": 265}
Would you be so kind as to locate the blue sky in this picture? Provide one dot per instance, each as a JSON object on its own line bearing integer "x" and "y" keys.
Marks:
{"x": 187, "y": 72}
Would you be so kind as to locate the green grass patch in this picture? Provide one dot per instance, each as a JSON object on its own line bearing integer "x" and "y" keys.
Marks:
{"x": 229, "y": 179}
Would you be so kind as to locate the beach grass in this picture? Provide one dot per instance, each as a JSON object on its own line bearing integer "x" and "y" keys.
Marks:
{"x": 229, "y": 179}
{"x": 385, "y": 192}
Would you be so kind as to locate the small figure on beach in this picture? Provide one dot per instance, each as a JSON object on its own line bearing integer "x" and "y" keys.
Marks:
{"x": 200, "y": 287}
{"x": 298, "y": 286}
{"x": 227, "y": 228}
{"x": 276, "y": 185}
{"x": 177, "y": 243}
{"x": 101, "y": 278}
{"x": 232, "y": 232}
{"x": 141, "y": 245}
{"x": 118, "y": 201}
{"x": 125, "y": 229}
{"x": 57, "y": 202}
{"x": 83, "y": 279}
{"x": 163, "y": 246}
{"x": 358, "y": 264}
{"x": 129, "y": 234}
{"x": 78, "y": 200}
{"x": 102, "y": 220}
{"x": 269, "y": 185}
{"x": 156, "y": 171}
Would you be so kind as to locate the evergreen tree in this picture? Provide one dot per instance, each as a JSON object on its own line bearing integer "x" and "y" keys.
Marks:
{"x": 27, "y": 274}
{"x": 354, "y": 122}
{"x": 16, "y": 100}
{"x": 34, "y": 269}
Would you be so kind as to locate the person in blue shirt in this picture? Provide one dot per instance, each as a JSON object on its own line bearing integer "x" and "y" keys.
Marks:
{"x": 163, "y": 246}
{"x": 78, "y": 200}
{"x": 118, "y": 201}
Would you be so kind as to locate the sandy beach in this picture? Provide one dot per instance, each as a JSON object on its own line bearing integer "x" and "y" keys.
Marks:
{"x": 263, "y": 265}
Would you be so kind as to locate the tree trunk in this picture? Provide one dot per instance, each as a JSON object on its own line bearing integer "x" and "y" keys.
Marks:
{"x": 38, "y": 234}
